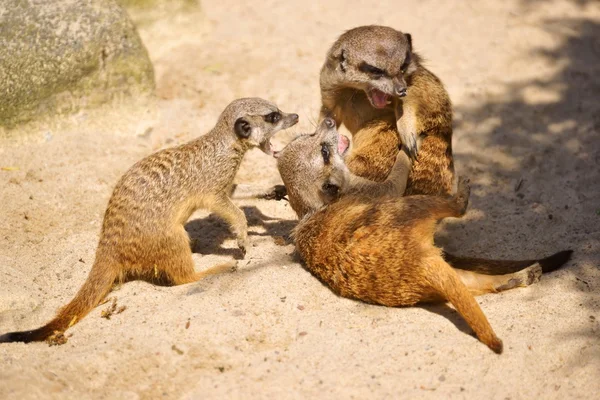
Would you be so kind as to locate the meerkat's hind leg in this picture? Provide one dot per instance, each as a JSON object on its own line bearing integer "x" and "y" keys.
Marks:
{"x": 176, "y": 266}
{"x": 455, "y": 206}
{"x": 480, "y": 283}
{"x": 235, "y": 217}
{"x": 444, "y": 279}
{"x": 229, "y": 266}
{"x": 463, "y": 192}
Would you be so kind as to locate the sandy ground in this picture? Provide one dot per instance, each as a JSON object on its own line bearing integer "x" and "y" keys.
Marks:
{"x": 523, "y": 76}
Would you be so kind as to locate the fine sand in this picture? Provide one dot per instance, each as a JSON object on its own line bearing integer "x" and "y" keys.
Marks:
{"x": 523, "y": 77}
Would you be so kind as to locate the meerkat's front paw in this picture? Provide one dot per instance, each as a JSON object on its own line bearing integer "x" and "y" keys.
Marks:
{"x": 409, "y": 140}
{"x": 277, "y": 192}
{"x": 243, "y": 244}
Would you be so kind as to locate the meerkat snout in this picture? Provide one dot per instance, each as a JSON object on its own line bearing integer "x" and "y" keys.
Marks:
{"x": 400, "y": 91}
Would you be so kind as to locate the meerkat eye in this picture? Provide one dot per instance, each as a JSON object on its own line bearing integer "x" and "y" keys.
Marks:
{"x": 325, "y": 152}
{"x": 273, "y": 118}
{"x": 330, "y": 189}
{"x": 369, "y": 69}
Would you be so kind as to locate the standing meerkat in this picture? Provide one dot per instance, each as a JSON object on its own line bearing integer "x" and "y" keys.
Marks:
{"x": 374, "y": 84}
{"x": 367, "y": 242}
{"x": 143, "y": 234}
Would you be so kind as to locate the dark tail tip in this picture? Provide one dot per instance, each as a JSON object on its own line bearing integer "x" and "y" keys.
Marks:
{"x": 497, "y": 346}
{"x": 24, "y": 336}
{"x": 555, "y": 261}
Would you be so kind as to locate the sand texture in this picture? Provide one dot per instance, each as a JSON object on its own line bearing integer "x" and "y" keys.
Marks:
{"x": 523, "y": 78}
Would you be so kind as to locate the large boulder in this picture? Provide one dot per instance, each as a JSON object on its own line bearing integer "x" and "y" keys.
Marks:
{"x": 57, "y": 56}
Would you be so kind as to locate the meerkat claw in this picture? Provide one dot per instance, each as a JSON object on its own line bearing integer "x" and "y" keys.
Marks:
{"x": 242, "y": 245}
{"x": 277, "y": 192}
{"x": 410, "y": 142}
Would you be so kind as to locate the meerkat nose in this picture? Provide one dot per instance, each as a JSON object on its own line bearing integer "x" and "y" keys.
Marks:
{"x": 295, "y": 117}
{"x": 400, "y": 92}
{"x": 329, "y": 123}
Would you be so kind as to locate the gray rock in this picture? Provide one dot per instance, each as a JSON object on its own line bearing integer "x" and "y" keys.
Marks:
{"x": 58, "y": 56}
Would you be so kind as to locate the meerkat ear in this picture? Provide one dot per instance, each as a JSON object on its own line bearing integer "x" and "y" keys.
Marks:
{"x": 341, "y": 57}
{"x": 242, "y": 128}
{"x": 409, "y": 39}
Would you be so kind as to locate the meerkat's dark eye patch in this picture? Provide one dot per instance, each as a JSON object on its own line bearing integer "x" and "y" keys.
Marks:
{"x": 273, "y": 117}
{"x": 325, "y": 152}
{"x": 330, "y": 189}
{"x": 371, "y": 70}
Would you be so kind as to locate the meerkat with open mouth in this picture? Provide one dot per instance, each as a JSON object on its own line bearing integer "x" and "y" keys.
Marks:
{"x": 143, "y": 234}
{"x": 374, "y": 84}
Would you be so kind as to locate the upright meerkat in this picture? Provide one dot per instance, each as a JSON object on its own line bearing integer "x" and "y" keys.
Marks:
{"x": 143, "y": 234}
{"x": 374, "y": 84}
{"x": 367, "y": 242}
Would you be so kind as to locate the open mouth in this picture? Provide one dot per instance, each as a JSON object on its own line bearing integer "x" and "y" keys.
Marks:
{"x": 379, "y": 99}
{"x": 343, "y": 144}
{"x": 267, "y": 148}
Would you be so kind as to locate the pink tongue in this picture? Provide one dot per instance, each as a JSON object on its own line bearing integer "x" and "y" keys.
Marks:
{"x": 343, "y": 143}
{"x": 379, "y": 98}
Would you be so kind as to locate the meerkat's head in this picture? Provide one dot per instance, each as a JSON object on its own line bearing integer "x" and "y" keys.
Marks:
{"x": 313, "y": 169}
{"x": 254, "y": 121}
{"x": 375, "y": 59}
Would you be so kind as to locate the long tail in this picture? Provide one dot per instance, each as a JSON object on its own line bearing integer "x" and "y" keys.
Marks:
{"x": 95, "y": 288}
{"x": 502, "y": 267}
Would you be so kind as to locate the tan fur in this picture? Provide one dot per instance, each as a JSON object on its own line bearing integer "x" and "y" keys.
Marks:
{"x": 143, "y": 234}
{"x": 421, "y": 119}
{"x": 367, "y": 242}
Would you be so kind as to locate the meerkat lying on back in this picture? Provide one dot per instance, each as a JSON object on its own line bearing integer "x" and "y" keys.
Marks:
{"x": 143, "y": 234}
{"x": 367, "y": 242}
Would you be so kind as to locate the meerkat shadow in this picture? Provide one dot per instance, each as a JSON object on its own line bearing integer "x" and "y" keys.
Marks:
{"x": 450, "y": 314}
{"x": 207, "y": 235}
{"x": 273, "y": 226}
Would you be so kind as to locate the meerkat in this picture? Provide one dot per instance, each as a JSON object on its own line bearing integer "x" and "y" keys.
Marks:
{"x": 368, "y": 242}
{"x": 143, "y": 234}
{"x": 374, "y": 84}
